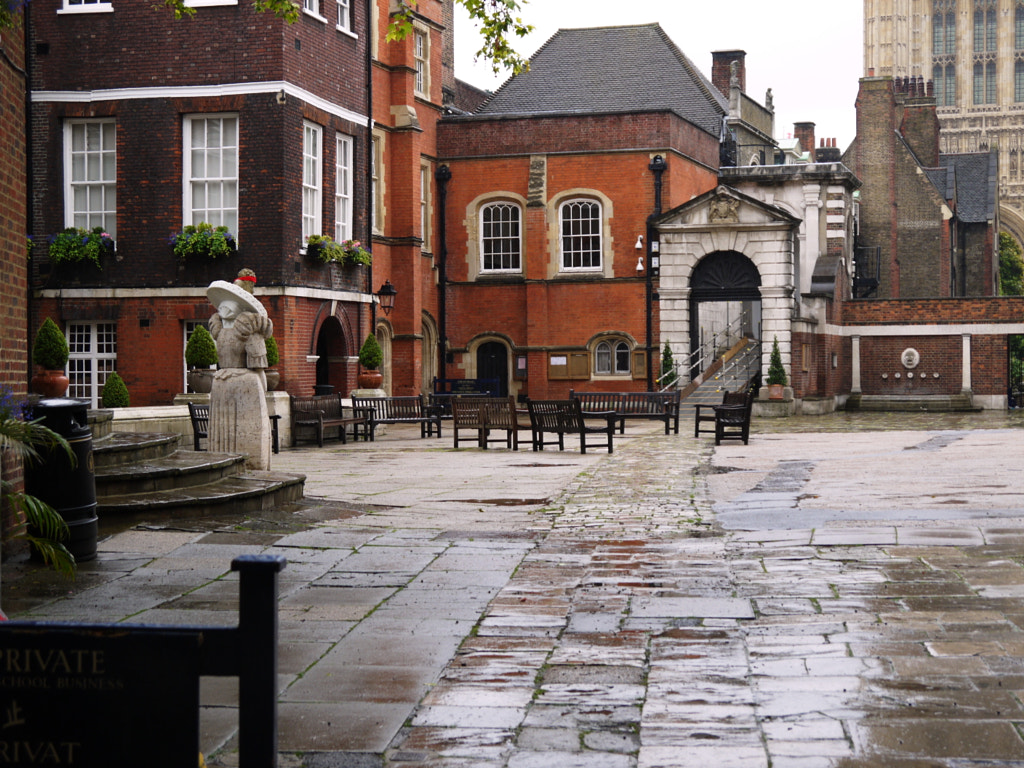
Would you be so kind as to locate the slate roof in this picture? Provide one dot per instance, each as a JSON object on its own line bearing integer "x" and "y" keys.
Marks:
{"x": 611, "y": 70}
{"x": 976, "y": 177}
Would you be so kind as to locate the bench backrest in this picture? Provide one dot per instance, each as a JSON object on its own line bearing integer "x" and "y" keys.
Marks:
{"x": 330, "y": 405}
{"x": 597, "y": 401}
{"x": 556, "y": 415}
{"x": 469, "y": 412}
{"x": 403, "y": 407}
{"x": 200, "y": 416}
{"x": 501, "y": 412}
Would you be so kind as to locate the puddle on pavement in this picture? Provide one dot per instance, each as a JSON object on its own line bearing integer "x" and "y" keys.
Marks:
{"x": 499, "y": 502}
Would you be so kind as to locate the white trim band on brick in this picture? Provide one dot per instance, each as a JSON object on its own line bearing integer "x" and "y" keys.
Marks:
{"x": 111, "y": 294}
{"x": 953, "y": 329}
{"x": 197, "y": 92}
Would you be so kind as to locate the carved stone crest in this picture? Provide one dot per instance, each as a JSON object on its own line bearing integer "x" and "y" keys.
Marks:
{"x": 724, "y": 209}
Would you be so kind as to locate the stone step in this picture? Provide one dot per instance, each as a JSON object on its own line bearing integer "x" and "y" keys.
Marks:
{"x": 238, "y": 494}
{"x": 181, "y": 469}
{"x": 122, "y": 448}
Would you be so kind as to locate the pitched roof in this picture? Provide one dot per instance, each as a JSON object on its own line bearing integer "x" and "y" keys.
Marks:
{"x": 976, "y": 178}
{"x": 611, "y": 70}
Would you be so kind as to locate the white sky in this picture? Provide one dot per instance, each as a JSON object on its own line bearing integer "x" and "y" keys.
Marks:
{"x": 809, "y": 52}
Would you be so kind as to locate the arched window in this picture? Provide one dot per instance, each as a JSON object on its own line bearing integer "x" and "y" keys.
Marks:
{"x": 500, "y": 238}
{"x": 612, "y": 358}
{"x": 581, "y": 234}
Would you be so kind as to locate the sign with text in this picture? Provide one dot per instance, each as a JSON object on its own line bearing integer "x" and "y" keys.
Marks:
{"x": 81, "y": 696}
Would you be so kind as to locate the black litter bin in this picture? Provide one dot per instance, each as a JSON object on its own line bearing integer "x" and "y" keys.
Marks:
{"x": 323, "y": 389}
{"x": 69, "y": 490}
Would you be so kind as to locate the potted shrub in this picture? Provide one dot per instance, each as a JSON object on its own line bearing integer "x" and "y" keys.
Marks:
{"x": 201, "y": 359}
{"x": 50, "y": 352}
{"x": 776, "y": 373}
{"x": 370, "y": 358}
{"x": 273, "y": 356}
{"x": 203, "y": 240}
{"x": 115, "y": 392}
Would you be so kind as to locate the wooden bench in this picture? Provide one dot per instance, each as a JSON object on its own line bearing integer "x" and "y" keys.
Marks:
{"x": 321, "y": 412}
{"x": 484, "y": 415}
{"x": 407, "y": 409}
{"x": 562, "y": 417}
{"x": 732, "y": 421}
{"x": 704, "y": 413}
{"x": 658, "y": 406}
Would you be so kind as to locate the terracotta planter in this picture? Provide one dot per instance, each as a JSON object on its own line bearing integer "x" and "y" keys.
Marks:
{"x": 50, "y": 383}
{"x": 776, "y": 392}
{"x": 201, "y": 380}
{"x": 370, "y": 379}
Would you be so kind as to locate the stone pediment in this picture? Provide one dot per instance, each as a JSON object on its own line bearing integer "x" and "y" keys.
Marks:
{"x": 725, "y": 207}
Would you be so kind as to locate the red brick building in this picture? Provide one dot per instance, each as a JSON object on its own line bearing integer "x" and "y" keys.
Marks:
{"x": 552, "y": 183}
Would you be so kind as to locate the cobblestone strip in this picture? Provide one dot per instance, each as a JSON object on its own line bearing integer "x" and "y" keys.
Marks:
{"x": 558, "y": 670}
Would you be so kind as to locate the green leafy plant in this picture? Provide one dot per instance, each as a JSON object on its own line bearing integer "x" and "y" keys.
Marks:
{"x": 75, "y": 244}
{"x": 203, "y": 240}
{"x": 50, "y": 350}
{"x": 10, "y": 12}
{"x": 668, "y": 366}
{"x": 115, "y": 392}
{"x": 39, "y": 524}
{"x": 201, "y": 350}
{"x": 776, "y": 373}
{"x": 272, "y": 354}
{"x": 327, "y": 250}
{"x": 370, "y": 354}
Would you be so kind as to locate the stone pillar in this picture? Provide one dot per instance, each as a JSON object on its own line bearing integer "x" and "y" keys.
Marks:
{"x": 855, "y": 365}
{"x": 966, "y": 371}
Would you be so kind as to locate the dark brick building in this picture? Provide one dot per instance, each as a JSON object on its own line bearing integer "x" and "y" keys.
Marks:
{"x": 231, "y": 117}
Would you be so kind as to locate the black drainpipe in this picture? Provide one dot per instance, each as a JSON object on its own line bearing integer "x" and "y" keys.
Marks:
{"x": 29, "y": 218}
{"x": 657, "y": 167}
{"x": 442, "y": 175}
{"x": 369, "y": 163}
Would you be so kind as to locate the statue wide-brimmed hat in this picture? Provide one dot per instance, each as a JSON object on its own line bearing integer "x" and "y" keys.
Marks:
{"x": 219, "y": 290}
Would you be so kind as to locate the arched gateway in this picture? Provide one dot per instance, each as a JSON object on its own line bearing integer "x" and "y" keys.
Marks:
{"x": 728, "y": 260}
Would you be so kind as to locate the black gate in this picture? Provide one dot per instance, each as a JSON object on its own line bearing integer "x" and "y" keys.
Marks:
{"x": 1015, "y": 395}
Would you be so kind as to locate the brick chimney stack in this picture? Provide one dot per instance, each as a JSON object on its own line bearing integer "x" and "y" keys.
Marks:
{"x": 805, "y": 133}
{"x": 919, "y": 123}
{"x": 721, "y": 70}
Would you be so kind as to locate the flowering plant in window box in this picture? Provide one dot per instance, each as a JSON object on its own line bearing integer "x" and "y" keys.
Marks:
{"x": 204, "y": 240}
{"x": 328, "y": 250}
{"x": 75, "y": 244}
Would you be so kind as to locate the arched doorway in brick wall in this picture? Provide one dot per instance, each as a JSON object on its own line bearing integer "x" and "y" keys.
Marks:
{"x": 492, "y": 363}
{"x": 332, "y": 353}
{"x": 725, "y": 305}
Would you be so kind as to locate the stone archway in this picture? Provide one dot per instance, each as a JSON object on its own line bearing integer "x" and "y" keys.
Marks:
{"x": 725, "y": 305}
{"x": 492, "y": 363}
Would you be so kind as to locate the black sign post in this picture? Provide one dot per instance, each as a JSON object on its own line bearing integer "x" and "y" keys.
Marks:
{"x": 121, "y": 694}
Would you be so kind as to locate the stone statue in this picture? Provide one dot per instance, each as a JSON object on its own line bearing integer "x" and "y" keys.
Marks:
{"x": 769, "y": 100}
{"x": 239, "y": 420}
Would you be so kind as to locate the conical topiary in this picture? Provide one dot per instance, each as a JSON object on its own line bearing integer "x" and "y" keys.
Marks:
{"x": 272, "y": 354}
{"x": 668, "y": 366}
{"x": 370, "y": 354}
{"x": 776, "y": 373}
{"x": 201, "y": 350}
{"x": 115, "y": 392}
{"x": 50, "y": 350}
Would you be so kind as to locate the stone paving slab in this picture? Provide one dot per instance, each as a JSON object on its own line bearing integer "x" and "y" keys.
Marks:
{"x": 815, "y": 598}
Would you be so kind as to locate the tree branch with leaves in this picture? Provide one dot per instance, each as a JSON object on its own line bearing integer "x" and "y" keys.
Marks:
{"x": 498, "y": 22}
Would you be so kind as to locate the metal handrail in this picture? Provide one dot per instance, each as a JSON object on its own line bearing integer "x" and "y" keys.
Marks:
{"x": 706, "y": 353}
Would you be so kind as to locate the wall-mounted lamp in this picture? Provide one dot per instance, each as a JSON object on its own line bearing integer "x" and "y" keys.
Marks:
{"x": 640, "y": 265}
{"x": 282, "y": 97}
{"x": 639, "y": 243}
{"x": 387, "y": 294}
